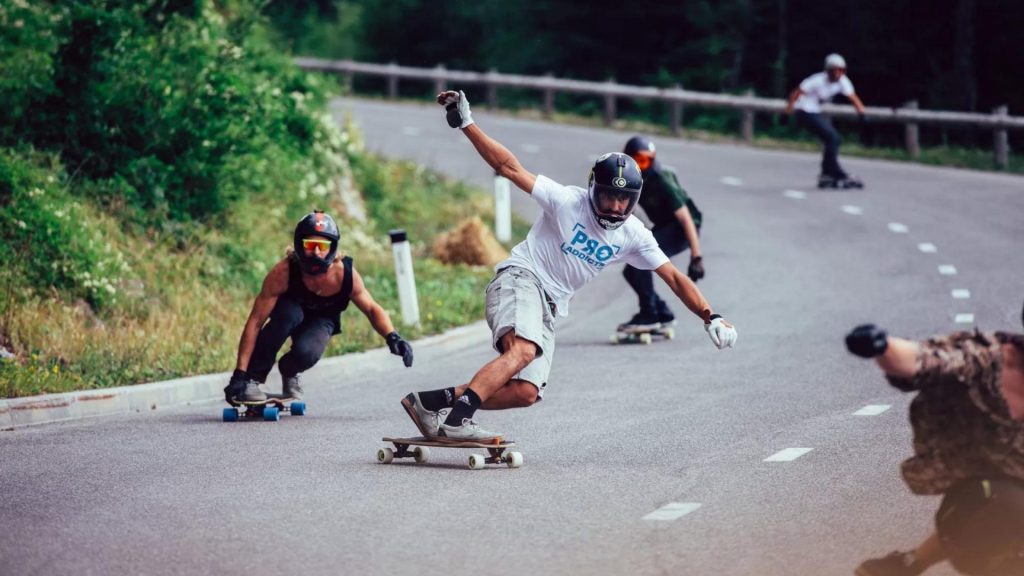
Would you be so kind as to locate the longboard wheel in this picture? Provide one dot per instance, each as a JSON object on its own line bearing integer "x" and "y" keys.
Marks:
{"x": 514, "y": 459}
{"x": 615, "y": 338}
{"x": 645, "y": 338}
{"x": 385, "y": 455}
{"x": 298, "y": 408}
{"x": 271, "y": 414}
{"x": 231, "y": 414}
{"x": 670, "y": 333}
{"x": 476, "y": 462}
{"x": 421, "y": 454}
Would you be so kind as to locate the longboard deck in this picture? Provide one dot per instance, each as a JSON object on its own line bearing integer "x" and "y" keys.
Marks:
{"x": 642, "y": 336}
{"x": 272, "y": 400}
{"x": 498, "y": 452}
{"x": 424, "y": 441}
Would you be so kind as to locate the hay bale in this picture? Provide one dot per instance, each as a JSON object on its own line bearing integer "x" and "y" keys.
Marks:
{"x": 469, "y": 243}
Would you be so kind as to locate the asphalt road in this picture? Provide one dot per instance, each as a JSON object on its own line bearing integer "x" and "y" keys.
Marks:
{"x": 640, "y": 459}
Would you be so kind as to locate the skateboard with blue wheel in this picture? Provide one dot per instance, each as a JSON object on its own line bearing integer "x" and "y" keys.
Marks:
{"x": 498, "y": 451}
{"x": 269, "y": 409}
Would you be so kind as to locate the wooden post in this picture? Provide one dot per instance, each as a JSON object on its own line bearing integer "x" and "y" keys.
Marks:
{"x": 392, "y": 82}
{"x": 492, "y": 90}
{"x": 609, "y": 106}
{"x": 549, "y": 99}
{"x": 913, "y": 144}
{"x": 439, "y": 81}
{"x": 677, "y": 114}
{"x": 1001, "y": 142}
{"x": 747, "y": 126}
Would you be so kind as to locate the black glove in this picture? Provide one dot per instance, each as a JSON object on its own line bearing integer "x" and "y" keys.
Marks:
{"x": 696, "y": 268}
{"x": 236, "y": 385}
{"x": 867, "y": 341}
{"x": 400, "y": 347}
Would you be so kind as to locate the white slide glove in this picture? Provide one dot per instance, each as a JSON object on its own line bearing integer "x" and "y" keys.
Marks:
{"x": 457, "y": 105}
{"x": 723, "y": 334}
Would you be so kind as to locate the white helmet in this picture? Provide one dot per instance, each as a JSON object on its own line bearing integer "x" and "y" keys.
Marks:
{"x": 834, "y": 61}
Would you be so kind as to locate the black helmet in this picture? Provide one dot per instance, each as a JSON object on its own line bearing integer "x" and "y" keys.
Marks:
{"x": 316, "y": 223}
{"x": 615, "y": 175}
{"x": 642, "y": 150}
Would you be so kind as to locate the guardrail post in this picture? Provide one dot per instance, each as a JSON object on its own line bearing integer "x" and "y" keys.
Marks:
{"x": 502, "y": 208}
{"x": 677, "y": 113}
{"x": 609, "y": 106}
{"x": 549, "y": 98}
{"x": 392, "y": 82}
{"x": 405, "y": 278}
{"x": 439, "y": 81}
{"x": 748, "y": 121}
{"x": 492, "y": 89}
{"x": 1001, "y": 142}
{"x": 346, "y": 82}
{"x": 913, "y": 144}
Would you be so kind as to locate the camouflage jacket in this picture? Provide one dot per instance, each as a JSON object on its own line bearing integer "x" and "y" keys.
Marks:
{"x": 962, "y": 424}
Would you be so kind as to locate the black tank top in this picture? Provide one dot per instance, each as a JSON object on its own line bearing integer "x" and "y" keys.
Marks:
{"x": 332, "y": 305}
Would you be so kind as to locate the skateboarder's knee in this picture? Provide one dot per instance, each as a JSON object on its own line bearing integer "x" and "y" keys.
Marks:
{"x": 520, "y": 350}
{"x": 525, "y": 393}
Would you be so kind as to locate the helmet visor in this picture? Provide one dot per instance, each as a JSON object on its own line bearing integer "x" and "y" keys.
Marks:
{"x": 643, "y": 160}
{"x": 310, "y": 244}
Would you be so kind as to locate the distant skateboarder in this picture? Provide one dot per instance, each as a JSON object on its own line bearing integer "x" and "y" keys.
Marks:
{"x": 303, "y": 297}
{"x": 579, "y": 233}
{"x": 807, "y": 99}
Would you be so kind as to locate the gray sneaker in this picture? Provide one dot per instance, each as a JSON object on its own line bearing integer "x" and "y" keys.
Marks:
{"x": 252, "y": 392}
{"x": 426, "y": 420}
{"x": 470, "y": 431}
{"x": 291, "y": 388}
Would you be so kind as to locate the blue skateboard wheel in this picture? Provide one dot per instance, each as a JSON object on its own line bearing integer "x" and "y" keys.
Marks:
{"x": 271, "y": 413}
{"x": 298, "y": 408}
{"x": 231, "y": 414}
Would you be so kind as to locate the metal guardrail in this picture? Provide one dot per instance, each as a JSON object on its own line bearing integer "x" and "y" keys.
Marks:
{"x": 999, "y": 121}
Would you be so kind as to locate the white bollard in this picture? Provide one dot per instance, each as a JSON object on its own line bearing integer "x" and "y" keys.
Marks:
{"x": 406, "y": 279}
{"x": 502, "y": 208}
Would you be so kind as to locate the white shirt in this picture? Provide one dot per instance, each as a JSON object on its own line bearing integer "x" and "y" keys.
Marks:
{"x": 817, "y": 89}
{"x": 566, "y": 247}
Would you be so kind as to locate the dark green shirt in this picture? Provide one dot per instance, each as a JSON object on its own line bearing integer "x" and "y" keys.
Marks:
{"x": 662, "y": 196}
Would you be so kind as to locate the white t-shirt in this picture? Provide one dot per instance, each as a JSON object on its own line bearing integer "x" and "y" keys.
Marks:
{"x": 566, "y": 247}
{"x": 817, "y": 89}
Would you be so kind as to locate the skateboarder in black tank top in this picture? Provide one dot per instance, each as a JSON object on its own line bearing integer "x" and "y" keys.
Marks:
{"x": 303, "y": 297}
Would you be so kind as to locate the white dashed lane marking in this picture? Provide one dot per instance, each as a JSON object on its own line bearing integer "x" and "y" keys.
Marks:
{"x": 964, "y": 318}
{"x": 672, "y": 511}
{"x": 788, "y": 455}
{"x": 732, "y": 181}
{"x": 947, "y": 270}
{"x": 961, "y": 293}
{"x": 794, "y": 194}
{"x": 853, "y": 210}
{"x": 927, "y": 248}
{"x": 872, "y": 410}
{"x": 897, "y": 228}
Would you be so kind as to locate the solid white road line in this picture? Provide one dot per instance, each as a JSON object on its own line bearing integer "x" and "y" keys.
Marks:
{"x": 788, "y": 455}
{"x": 961, "y": 293}
{"x": 872, "y": 410}
{"x": 964, "y": 318}
{"x": 672, "y": 511}
{"x": 794, "y": 194}
{"x": 947, "y": 270}
{"x": 898, "y": 228}
{"x": 927, "y": 248}
{"x": 853, "y": 210}
{"x": 732, "y": 181}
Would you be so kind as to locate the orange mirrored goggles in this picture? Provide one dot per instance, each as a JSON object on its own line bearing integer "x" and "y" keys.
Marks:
{"x": 310, "y": 244}
{"x": 643, "y": 161}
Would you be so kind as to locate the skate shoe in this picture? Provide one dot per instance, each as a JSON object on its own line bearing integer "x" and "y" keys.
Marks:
{"x": 641, "y": 322}
{"x": 665, "y": 316}
{"x": 469, "y": 431}
{"x": 291, "y": 387}
{"x": 252, "y": 392}
{"x": 850, "y": 182}
{"x": 895, "y": 564}
{"x": 425, "y": 420}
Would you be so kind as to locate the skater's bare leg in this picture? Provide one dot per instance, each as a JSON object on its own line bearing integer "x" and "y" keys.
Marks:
{"x": 515, "y": 394}
{"x": 517, "y": 353}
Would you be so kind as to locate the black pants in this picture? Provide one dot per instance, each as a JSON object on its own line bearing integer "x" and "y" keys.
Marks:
{"x": 981, "y": 526}
{"x": 672, "y": 240}
{"x": 309, "y": 332}
{"x": 822, "y": 127}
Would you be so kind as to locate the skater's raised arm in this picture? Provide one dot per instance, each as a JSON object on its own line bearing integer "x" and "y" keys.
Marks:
{"x": 498, "y": 157}
{"x": 274, "y": 285}
{"x": 379, "y": 319}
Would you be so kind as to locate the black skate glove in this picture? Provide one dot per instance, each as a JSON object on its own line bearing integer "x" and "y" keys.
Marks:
{"x": 236, "y": 385}
{"x": 867, "y": 341}
{"x": 400, "y": 347}
{"x": 696, "y": 268}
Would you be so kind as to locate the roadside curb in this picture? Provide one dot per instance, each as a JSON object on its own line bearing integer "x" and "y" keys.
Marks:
{"x": 51, "y": 408}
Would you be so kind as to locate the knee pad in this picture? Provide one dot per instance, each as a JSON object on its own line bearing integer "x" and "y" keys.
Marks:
{"x": 980, "y": 526}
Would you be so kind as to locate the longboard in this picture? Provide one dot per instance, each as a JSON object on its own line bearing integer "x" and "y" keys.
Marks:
{"x": 642, "y": 336}
{"x": 269, "y": 409}
{"x": 499, "y": 452}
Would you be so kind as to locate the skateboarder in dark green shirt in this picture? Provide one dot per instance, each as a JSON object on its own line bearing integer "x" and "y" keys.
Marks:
{"x": 676, "y": 221}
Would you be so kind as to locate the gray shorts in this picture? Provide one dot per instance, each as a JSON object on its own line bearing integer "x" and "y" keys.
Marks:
{"x": 516, "y": 302}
